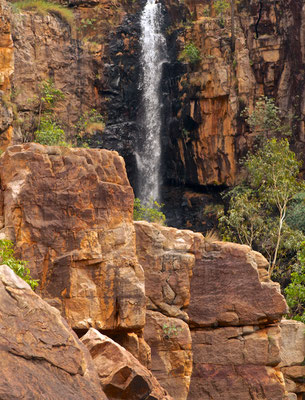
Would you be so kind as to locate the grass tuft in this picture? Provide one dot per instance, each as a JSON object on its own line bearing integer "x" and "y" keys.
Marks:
{"x": 45, "y": 7}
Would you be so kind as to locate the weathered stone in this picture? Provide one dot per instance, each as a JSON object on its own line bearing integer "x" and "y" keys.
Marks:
{"x": 171, "y": 352}
{"x": 6, "y": 71}
{"x": 136, "y": 345}
{"x": 41, "y": 357}
{"x": 294, "y": 378}
{"x": 237, "y": 346}
{"x": 167, "y": 257}
{"x": 69, "y": 211}
{"x": 241, "y": 382}
{"x": 121, "y": 375}
{"x": 233, "y": 294}
{"x": 292, "y": 343}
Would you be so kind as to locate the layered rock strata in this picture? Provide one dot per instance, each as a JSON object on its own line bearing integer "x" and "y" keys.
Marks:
{"x": 232, "y": 309}
{"x": 6, "y": 71}
{"x": 292, "y": 357}
{"x": 69, "y": 212}
{"x": 41, "y": 357}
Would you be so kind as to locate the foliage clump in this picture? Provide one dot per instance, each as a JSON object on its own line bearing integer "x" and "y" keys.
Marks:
{"x": 149, "y": 212}
{"x": 18, "y": 266}
{"x": 44, "y": 7}
{"x": 295, "y": 291}
{"x": 49, "y": 133}
{"x": 190, "y": 53}
{"x": 258, "y": 208}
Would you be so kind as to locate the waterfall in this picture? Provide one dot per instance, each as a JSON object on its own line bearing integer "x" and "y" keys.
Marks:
{"x": 152, "y": 57}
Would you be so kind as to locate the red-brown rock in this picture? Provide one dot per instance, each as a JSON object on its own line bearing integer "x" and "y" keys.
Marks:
{"x": 167, "y": 257}
{"x": 69, "y": 211}
{"x": 171, "y": 352}
{"x": 121, "y": 375}
{"x": 41, "y": 357}
{"x": 226, "y": 289}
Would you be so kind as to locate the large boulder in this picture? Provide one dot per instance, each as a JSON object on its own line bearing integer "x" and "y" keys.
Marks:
{"x": 167, "y": 257}
{"x": 121, "y": 375}
{"x": 228, "y": 288}
{"x": 69, "y": 212}
{"x": 41, "y": 357}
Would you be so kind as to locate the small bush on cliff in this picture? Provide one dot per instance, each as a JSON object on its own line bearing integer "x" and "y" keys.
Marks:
{"x": 18, "y": 266}
{"x": 44, "y": 7}
{"x": 150, "y": 212}
{"x": 49, "y": 133}
{"x": 190, "y": 54}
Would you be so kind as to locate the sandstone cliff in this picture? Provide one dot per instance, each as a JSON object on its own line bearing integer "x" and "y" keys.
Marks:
{"x": 211, "y": 310}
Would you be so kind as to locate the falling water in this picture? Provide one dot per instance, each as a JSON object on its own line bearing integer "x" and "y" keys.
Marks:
{"x": 153, "y": 55}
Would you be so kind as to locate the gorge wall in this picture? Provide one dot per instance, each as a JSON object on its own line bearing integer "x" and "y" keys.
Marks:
{"x": 202, "y": 316}
{"x": 96, "y": 63}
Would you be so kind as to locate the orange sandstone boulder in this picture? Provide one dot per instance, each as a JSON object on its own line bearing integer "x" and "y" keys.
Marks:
{"x": 41, "y": 357}
{"x": 167, "y": 257}
{"x": 69, "y": 211}
{"x": 121, "y": 375}
{"x": 171, "y": 349}
{"x": 227, "y": 290}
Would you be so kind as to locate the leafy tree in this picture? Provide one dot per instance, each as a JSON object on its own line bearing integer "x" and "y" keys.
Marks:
{"x": 273, "y": 173}
{"x": 18, "y": 266}
{"x": 266, "y": 119}
{"x": 150, "y": 212}
{"x": 258, "y": 210}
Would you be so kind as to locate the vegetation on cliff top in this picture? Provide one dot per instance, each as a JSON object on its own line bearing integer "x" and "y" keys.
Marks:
{"x": 150, "y": 212}
{"x": 44, "y": 7}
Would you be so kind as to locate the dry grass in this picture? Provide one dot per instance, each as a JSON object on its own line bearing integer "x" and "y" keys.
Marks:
{"x": 211, "y": 236}
{"x": 44, "y": 7}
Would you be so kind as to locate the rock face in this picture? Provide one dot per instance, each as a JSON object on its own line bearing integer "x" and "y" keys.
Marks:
{"x": 231, "y": 306}
{"x": 121, "y": 375}
{"x": 166, "y": 254}
{"x": 229, "y": 274}
{"x": 69, "y": 211}
{"x": 6, "y": 71}
{"x": 41, "y": 357}
{"x": 292, "y": 356}
{"x": 171, "y": 352}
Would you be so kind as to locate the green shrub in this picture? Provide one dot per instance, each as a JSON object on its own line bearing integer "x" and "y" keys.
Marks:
{"x": 18, "y": 266}
{"x": 151, "y": 212}
{"x": 44, "y": 7}
{"x": 296, "y": 212}
{"x": 295, "y": 291}
{"x": 49, "y": 133}
{"x": 190, "y": 53}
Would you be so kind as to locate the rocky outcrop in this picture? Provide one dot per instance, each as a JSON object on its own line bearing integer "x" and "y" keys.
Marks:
{"x": 69, "y": 211}
{"x": 121, "y": 375}
{"x": 232, "y": 309}
{"x": 6, "y": 71}
{"x": 292, "y": 357}
{"x": 41, "y": 357}
{"x": 171, "y": 352}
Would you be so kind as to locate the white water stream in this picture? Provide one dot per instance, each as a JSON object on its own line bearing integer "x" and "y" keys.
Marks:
{"x": 153, "y": 55}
